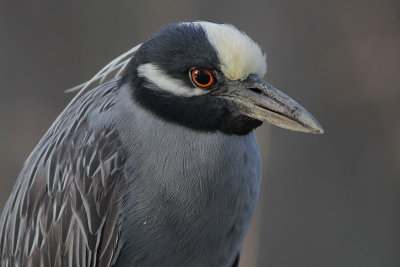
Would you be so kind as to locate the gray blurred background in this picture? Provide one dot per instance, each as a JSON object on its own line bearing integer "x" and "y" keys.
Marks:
{"x": 330, "y": 200}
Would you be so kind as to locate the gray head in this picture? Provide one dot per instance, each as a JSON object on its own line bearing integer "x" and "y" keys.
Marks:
{"x": 207, "y": 77}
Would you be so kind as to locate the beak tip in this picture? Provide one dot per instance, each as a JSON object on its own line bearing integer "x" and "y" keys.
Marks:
{"x": 307, "y": 121}
{"x": 319, "y": 131}
{"x": 316, "y": 128}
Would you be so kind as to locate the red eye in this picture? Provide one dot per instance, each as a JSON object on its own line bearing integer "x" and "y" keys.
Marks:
{"x": 202, "y": 78}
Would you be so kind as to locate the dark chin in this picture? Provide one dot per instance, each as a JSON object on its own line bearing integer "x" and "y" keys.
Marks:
{"x": 242, "y": 125}
{"x": 204, "y": 113}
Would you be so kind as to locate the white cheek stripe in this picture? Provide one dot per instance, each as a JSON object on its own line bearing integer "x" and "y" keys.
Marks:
{"x": 165, "y": 82}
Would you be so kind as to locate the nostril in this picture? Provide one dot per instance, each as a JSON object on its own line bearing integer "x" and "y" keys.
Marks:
{"x": 256, "y": 90}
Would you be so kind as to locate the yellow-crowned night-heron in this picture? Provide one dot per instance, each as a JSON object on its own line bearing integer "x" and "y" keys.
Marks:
{"x": 156, "y": 167}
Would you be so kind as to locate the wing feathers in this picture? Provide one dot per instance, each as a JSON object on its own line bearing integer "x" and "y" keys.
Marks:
{"x": 64, "y": 210}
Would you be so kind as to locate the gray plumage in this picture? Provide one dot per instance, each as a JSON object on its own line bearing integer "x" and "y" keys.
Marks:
{"x": 79, "y": 188}
{"x": 65, "y": 204}
{"x": 116, "y": 182}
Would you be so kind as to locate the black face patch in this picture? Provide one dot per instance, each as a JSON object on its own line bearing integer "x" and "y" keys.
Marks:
{"x": 176, "y": 49}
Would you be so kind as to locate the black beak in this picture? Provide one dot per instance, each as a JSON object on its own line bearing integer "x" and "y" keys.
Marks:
{"x": 259, "y": 100}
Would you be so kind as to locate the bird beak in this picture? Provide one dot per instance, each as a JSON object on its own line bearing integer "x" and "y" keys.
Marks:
{"x": 259, "y": 100}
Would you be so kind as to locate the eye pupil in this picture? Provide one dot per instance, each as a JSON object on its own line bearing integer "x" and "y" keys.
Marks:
{"x": 202, "y": 77}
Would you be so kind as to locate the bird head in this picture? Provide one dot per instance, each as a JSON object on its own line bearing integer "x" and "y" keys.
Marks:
{"x": 207, "y": 77}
